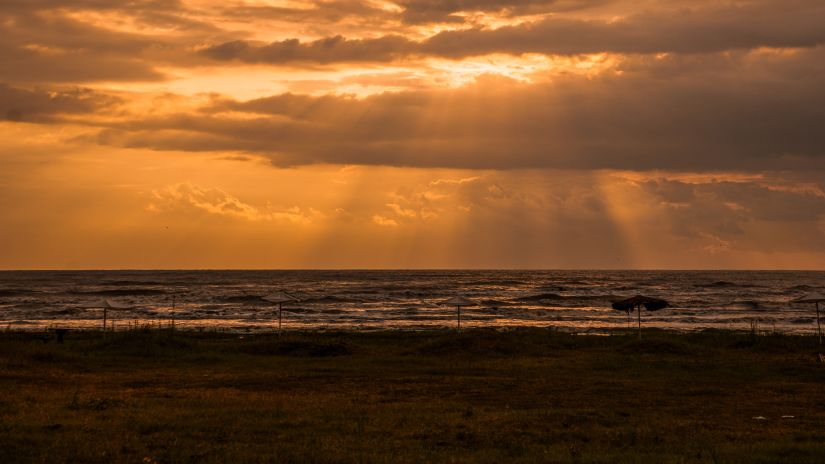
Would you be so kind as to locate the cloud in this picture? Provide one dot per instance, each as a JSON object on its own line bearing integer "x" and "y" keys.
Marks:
{"x": 463, "y": 180}
{"x": 20, "y": 105}
{"x": 440, "y": 11}
{"x": 707, "y": 28}
{"x": 743, "y": 111}
{"x": 745, "y": 216}
{"x": 384, "y": 221}
{"x": 61, "y": 41}
{"x": 190, "y": 199}
{"x": 401, "y": 211}
{"x": 713, "y": 28}
{"x": 327, "y": 50}
{"x": 158, "y": 13}
{"x": 183, "y": 197}
{"x": 56, "y": 41}
{"x": 570, "y": 219}
{"x": 662, "y": 215}
{"x": 309, "y": 12}
{"x": 50, "y": 46}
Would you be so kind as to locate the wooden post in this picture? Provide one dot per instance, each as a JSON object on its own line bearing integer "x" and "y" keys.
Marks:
{"x": 279, "y": 319}
{"x": 172, "y": 322}
{"x": 639, "y": 315}
{"x": 818, "y": 327}
{"x": 104, "y": 320}
{"x": 458, "y": 308}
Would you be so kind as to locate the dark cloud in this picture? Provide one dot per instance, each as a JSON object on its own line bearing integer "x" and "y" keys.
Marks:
{"x": 165, "y": 13}
{"x": 20, "y": 105}
{"x": 700, "y": 30}
{"x": 57, "y": 41}
{"x": 444, "y": 11}
{"x": 298, "y": 107}
{"x": 325, "y": 12}
{"x": 49, "y": 41}
{"x": 324, "y": 51}
{"x": 749, "y": 111}
{"x": 56, "y": 48}
{"x": 30, "y": 66}
{"x": 17, "y": 5}
{"x": 705, "y": 29}
{"x": 739, "y": 110}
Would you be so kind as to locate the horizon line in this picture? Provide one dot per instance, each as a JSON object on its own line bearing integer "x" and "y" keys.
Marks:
{"x": 440, "y": 269}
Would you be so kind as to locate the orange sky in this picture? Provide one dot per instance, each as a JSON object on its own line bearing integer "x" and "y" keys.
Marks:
{"x": 414, "y": 133}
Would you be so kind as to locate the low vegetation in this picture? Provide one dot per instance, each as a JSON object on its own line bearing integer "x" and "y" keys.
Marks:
{"x": 521, "y": 396}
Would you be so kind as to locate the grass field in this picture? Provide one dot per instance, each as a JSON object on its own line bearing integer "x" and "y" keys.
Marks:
{"x": 525, "y": 396}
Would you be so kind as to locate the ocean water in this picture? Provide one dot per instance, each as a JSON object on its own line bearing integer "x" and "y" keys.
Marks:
{"x": 577, "y": 301}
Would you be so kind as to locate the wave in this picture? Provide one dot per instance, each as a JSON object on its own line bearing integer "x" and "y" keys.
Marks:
{"x": 495, "y": 282}
{"x": 745, "y": 304}
{"x": 577, "y": 282}
{"x": 11, "y": 293}
{"x": 245, "y": 299}
{"x": 133, "y": 282}
{"x": 802, "y": 287}
{"x": 542, "y": 297}
{"x": 119, "y": 292}
{"x": 727, "y": 284}
{"x": 717, "y": 284}
{"x": 494, "y": 303}
{"x": 330, "y": 299}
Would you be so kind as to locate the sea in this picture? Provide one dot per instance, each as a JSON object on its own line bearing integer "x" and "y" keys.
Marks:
{"x": 568, "y": 300}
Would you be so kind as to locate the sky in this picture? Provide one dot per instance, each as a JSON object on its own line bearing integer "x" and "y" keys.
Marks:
{"x": 653, "y": 134}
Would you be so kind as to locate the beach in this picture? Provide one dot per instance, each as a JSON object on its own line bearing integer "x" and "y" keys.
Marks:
{"x": 526, "y": 395}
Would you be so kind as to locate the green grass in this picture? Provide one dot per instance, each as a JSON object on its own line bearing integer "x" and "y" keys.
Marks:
{"x": 522, "y": 396}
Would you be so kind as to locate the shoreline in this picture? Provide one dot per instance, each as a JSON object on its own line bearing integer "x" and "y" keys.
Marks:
{"x": 437, "y": 330}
